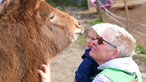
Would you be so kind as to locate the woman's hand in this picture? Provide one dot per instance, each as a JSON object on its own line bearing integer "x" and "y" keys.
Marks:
{"x": 45, "y": 73}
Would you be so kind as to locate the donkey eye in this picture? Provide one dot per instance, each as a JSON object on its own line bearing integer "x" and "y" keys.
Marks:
{"x": 52, "y": 16}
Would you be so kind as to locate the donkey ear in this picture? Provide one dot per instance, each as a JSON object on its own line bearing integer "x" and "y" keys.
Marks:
{"x": 38, "y": 3}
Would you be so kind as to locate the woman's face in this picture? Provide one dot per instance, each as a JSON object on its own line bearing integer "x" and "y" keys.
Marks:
{"x": 92, "y": 35}
{"x": 101, "y": 52}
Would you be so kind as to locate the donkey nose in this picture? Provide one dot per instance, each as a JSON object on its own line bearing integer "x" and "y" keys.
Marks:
{"x": 79, "y": 26}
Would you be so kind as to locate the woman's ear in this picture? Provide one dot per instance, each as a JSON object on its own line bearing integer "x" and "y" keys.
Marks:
{"x": 115, "y": 54}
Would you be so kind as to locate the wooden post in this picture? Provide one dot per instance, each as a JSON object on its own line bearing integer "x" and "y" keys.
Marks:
{"x": 99, "y": 10}
{"x": 126, "y": 13}
{"x": 91, "y": 8}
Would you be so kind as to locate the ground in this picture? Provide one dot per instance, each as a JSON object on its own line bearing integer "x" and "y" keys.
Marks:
{"x": 64, "y": 66}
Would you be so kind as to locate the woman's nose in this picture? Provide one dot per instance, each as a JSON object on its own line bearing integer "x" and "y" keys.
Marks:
{"x": 94, "y": 42}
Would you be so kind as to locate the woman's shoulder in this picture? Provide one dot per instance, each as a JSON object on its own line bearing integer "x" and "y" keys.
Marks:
{"x": 101, "y": 78}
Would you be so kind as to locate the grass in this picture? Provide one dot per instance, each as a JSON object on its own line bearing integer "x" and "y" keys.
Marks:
{"x": 141, "y": 54}
{"x": 97, "y": 21}
{"x": 82, "y": 40}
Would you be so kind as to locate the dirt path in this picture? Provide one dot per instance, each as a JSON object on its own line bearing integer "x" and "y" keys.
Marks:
{"x": 65, "y": 65}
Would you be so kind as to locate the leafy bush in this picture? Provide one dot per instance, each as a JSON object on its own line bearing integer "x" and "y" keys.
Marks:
{"x": 77, "y": 3}
{"x": 140, "y": 50}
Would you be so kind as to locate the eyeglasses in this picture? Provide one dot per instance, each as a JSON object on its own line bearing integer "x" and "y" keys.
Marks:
{"x": 100, "y": 41}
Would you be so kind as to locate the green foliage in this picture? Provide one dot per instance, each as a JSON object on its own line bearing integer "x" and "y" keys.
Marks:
{"x": 96, "y": 22}
{"x": 77, "y": 3}
{"x": 51, "y": 2}
{"x": 140, "y": 50}
{"x": 84, "y": 4}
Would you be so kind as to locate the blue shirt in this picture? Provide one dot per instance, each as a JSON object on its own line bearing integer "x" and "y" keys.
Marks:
{"x": 87, "y": 69}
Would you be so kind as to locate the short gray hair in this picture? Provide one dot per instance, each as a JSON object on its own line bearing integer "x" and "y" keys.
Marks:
{"x": 122, "y": 39}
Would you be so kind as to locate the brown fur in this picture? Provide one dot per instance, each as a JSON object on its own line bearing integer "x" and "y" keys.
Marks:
{"x": 31, "y": 32}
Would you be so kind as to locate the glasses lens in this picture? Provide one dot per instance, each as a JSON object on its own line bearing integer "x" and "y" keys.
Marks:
{"x": 100, "y": 40}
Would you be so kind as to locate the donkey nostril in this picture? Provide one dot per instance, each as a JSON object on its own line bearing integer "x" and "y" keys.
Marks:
{"x": 78, "y": 25}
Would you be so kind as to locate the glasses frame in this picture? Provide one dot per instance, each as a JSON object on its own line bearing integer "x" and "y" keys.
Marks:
{"x": 100, "y": 41}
